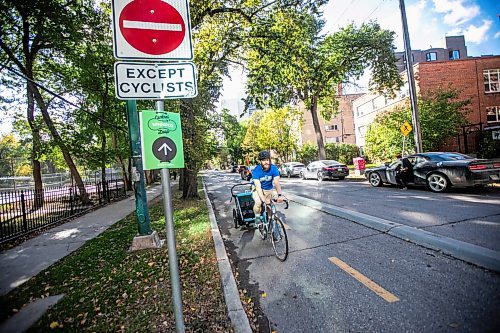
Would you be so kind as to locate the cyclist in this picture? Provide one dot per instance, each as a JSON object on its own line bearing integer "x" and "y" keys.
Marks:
{"x": 266, "y": 180}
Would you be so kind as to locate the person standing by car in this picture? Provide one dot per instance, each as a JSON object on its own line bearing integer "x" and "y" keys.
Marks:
{"x": 403, "y": 171}
{"x": 266, "y": 181}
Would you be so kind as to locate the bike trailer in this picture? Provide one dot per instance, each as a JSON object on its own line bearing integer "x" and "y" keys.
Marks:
{"x": 243, "y": 212}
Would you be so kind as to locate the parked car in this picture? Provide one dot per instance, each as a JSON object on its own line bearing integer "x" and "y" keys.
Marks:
{"x": 291, "y": 169}
{"x": 439, "y": 171}
{"x": 325, "y": 169}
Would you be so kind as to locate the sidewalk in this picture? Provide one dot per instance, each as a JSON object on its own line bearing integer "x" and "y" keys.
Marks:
{"x": 21, "y": 263}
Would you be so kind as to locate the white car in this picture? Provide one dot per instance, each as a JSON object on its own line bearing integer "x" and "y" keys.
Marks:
{"x": 291, "y": 169}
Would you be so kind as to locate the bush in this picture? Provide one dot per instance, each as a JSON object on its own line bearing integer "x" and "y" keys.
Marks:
{"x": 342, "y": 152}
{"x": 489, "y": 148}
{"x": 307, "y": 153}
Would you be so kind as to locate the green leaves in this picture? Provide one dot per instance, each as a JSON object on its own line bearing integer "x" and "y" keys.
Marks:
{"x": 441, "y": 115}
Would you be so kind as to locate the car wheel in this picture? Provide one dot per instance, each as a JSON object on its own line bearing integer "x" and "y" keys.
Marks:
{"x": 341, "y": 178}
{"x": 437, "y": 182}
{"x": 320, "y": 176}
{"x": 303, "y": 176}
{"x": 375, "y": 179}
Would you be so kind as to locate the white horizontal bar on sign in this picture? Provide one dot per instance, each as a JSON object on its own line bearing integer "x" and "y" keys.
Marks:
{"x": 151, "y": 25}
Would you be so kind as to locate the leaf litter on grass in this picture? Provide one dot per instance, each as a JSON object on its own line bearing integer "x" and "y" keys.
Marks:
{"x": 108, "y": 288}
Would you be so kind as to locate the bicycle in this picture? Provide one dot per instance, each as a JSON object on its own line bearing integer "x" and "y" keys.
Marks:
{"x": 273, "y": 225}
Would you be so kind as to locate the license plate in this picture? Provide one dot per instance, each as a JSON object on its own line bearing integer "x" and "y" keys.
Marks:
{"x": 340, "y": 169}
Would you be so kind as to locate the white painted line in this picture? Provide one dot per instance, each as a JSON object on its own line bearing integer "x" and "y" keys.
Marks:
{"x": 151, "y": 25}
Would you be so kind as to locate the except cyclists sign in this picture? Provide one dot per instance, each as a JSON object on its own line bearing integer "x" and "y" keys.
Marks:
{"x": 152, "y": 29}
{"x": 136, "y": 80}
{"x": 161, "y": 140}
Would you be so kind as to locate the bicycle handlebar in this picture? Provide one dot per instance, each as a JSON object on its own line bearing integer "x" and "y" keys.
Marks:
{"x": 285, "y": 201}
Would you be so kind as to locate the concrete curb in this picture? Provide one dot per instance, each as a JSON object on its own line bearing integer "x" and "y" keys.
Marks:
{"x": 237, "y": 314}
{"x": 470, "y": 253}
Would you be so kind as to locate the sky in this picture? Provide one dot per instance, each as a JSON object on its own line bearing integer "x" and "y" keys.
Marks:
{"x": 429, "y": 21}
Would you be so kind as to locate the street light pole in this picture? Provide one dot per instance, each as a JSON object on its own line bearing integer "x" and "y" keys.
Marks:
{"x": 411, "y": 81}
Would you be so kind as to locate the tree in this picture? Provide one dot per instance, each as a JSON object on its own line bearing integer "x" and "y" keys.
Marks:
{"x": 290, "y": 61}
{"x": 220, "y": 33}
{"x": 9, "y": 150}
{"x": 277, "y": 130}
{"x": 33, "y": 37}
{"x": 441, "y": 115}
{"x": 234, "y": 133}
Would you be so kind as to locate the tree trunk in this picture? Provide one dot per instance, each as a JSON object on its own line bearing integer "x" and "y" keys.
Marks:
{"x": 36, "y": 149}
{"x": 103, "y": 159}
{"x": 120, "y": 162}
{"x": 60, "y": 143}
{"x": 190, "y": 172}
{"x": 190, "y": 188}
{"x": 317, "y": 128}
{"x": 129, "y": 180}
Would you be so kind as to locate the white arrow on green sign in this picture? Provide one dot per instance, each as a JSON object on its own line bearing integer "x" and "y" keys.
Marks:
{"x": 161, "y": 140}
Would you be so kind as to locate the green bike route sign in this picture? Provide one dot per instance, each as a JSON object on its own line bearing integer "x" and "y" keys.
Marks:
{"x": 161, "y": 140}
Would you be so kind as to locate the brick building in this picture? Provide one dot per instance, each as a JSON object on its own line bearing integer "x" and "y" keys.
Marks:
{"x": 340, "y": 129}
{"x": 477, "y": 79}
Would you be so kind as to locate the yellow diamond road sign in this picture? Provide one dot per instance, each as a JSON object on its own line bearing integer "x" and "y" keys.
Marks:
{"x": 405, "y": 128}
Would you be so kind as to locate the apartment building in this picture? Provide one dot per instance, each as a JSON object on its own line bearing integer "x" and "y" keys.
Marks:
{"x": 455, "y": 50}
{"x": 339, "y": 129}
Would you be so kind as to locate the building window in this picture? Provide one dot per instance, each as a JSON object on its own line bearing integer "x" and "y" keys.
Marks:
{"x": 493, "y": 114}
{"x": 335, "y": 139}
{"x": 491, "y": 80}
{"x": 455, "y": 54}
{"x": 431, "y": 56}
{"x": 361, "y": 131}
{"x": 331, "y": 128}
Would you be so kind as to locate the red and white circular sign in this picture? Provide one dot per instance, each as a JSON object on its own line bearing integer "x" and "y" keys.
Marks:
{"x": 153, "y": 27}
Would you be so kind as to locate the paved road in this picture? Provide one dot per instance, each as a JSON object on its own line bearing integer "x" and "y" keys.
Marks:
{"x": 469, "y": 215}
{"x": 316, "y": 289}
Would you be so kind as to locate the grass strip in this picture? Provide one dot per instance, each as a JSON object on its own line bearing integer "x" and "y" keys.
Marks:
{"x": 109, "y": 289}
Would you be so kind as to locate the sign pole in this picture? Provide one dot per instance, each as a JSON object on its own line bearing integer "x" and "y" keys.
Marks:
{"x": 141, "y": 203}
{"x": 403, "y": 152}
{"x": 172, "y": 254}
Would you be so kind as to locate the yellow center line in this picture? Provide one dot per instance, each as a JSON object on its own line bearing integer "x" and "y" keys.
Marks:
{"x": 364, "y": 280}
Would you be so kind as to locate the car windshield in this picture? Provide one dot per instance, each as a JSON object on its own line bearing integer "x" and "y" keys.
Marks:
{"x": 330, "y": 162}
{"x": 298, "y": 165}
{"x": 450, "y": 157}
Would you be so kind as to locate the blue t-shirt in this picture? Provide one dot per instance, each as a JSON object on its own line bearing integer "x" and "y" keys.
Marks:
{"x": 266, "y": 177}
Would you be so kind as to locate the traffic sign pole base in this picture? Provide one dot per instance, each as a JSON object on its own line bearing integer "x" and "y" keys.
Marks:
{"x": 151, "y": 241}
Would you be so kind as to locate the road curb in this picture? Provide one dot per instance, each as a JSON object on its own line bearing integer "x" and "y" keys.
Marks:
{"x": 235, "y": 309}
{"x": 467, "y": 252}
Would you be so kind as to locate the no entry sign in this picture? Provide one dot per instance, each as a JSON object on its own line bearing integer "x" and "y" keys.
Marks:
{"x": 152, "y": 29}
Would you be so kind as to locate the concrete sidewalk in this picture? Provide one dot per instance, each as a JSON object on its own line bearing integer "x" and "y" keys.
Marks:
{"x": 21, "y": 263}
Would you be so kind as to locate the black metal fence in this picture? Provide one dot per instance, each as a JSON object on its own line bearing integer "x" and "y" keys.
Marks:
{"x": 24, "y": 211}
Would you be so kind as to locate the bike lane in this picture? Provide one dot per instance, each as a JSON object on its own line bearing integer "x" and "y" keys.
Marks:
{"x": 341, "y": 276}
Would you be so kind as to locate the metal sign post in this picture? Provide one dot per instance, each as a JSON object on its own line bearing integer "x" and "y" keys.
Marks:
{"x": 172, "y": 254}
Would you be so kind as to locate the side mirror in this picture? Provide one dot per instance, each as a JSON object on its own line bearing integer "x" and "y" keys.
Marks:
{"x": 386, "y": 164}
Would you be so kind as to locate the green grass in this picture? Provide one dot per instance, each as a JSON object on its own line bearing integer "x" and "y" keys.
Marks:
{"x": 109, "y": 289}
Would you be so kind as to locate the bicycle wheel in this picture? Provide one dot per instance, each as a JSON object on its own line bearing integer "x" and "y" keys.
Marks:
{"x": 279, "y": 239}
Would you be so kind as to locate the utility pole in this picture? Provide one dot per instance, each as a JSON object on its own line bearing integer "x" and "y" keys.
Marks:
{"x": 411, "y": 81}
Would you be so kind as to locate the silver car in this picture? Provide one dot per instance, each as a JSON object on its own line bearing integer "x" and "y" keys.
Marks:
{"x": 291, "y": 169}
{"x": 325, "y": 169}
